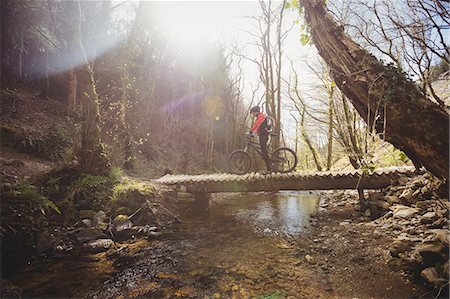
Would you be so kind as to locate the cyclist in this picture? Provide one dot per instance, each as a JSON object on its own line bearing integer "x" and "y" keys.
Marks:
{"x": 261, "y": 128}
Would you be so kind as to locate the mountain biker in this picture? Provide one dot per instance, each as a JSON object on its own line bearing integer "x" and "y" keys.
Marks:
{"x": 261, "y": 128}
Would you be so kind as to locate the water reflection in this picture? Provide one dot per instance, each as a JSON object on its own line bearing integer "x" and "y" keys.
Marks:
{"x": 295, "y": 210}
{"x": 278, "y": 213}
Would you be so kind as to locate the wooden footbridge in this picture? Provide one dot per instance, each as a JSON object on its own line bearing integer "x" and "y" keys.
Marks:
{"x": 251, "y": 182}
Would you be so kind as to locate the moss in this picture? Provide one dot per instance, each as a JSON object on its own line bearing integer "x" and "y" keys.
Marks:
{"x": 86, "y": 192}
{"x": 133, "y": 185}
{"x": 93, "y": 192}
{"x": 130, "y": 194}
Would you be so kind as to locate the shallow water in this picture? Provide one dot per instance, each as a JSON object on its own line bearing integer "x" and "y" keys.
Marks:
{"x": 285, "y": 213}
{"x": 243, "y": 246}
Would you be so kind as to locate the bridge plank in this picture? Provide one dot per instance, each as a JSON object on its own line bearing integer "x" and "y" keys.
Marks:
{"x": 226, "y": 182}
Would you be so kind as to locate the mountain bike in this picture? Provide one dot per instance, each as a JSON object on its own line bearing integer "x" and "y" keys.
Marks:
{"x": 283, "y": 159}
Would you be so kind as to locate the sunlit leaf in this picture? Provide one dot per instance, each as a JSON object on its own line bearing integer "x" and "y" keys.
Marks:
{"x": 304, "y": 39}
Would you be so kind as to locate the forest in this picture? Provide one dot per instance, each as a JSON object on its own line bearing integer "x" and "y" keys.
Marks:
{"x": 100, "y": 99}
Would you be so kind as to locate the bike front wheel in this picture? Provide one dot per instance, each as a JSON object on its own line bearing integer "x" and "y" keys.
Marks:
{"x": 239, "y": 162}
{"x": 284, "y": 160}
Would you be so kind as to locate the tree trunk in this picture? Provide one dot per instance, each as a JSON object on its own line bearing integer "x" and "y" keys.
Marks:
{"x": 92, "y": 157}
{"x": 72, "y": 91}
{"x": 330, "y": 126}
{"x": 308, "y": 142}
{"x": 383, "y": 96}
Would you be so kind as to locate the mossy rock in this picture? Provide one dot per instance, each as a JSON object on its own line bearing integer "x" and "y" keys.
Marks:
{"x": 120, "y": 219}
{"x": 122, "y": 210}
{"x": 132, "y": 195}
{"x": 132, "y": 201}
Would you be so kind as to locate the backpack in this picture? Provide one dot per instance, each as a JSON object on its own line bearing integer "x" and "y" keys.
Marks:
{"x": 270, "y": 123}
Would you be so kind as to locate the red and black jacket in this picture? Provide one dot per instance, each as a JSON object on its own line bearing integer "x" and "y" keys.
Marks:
{"x": 260, "y": 125}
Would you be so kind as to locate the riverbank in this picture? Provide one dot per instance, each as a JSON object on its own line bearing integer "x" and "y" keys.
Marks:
{"x": 246, "y": 246}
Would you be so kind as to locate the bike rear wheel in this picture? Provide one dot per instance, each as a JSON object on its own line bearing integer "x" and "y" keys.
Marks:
{"x": 284, "y": 160}
{"x": 239, "y": 162}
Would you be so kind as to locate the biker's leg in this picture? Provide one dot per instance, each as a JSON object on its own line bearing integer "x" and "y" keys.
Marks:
{"x": 263, "y": 143}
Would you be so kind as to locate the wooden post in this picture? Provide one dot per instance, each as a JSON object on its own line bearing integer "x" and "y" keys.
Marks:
{"x": 202, "y": 201}
{"x": 363, "y": 203}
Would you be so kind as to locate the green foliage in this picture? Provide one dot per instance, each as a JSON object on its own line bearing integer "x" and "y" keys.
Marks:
{"x": 116, "y": 173}
{"x": 73, "y": 191}
{"x": 295, "y": 5}
{"x": 274, "y": 295}
{"x": 92, "y": 192}
{"x": 47, "y": 144}
{"x": 68, "y": 155}
{"x": 26, "y": 192}
{"x": 393, "y": 157}
{"x": 368, "y": 169}
{"x": 130, "y": 184}
{"x": 402, "y": 156}
{"x": 305, "y": 39}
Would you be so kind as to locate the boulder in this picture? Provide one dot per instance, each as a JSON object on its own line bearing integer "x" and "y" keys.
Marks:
{"x": 122, "y": 222}
{"x": 86, "y": 223}
{"x": 406, "y": 195}
{"x": 431, "y": 254}
{"x": 100, "y": 220}
{"x": 398, "y": 247}
{"x": 439, "y": 223}
{"x": 309, "y": 258}
{"x": 428, "y": 217}
{"x": 401, "y": 211}
{"x": 442, "y": 235}
{"x": 426, "y": 193}
{"x": 138, "y": 231}
{"x": 432, "y": 247}
{"x": 154, "y": 235}
{"x": 98, "y": 245}
{"x": 123, "y": 227}
{"x": 133, "y": 198}
{"x": 87, "y": 234}
{"x": 432, "y": 276}
{"x": 392, "y": 199}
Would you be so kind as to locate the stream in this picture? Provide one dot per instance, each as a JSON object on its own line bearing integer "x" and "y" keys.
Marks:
{"x": 244, "y": 246}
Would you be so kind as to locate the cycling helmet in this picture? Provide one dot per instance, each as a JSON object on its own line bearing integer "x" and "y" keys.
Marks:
{"x": 255, "y": 109}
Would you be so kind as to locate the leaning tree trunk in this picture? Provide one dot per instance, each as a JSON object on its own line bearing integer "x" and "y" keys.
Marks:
{"x": 383, "y": 96}
{"x": 92, "y": 157}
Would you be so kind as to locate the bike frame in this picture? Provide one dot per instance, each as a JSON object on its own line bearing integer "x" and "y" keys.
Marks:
{"x": 257, "y": 148}
{"x": 254, "y": 145}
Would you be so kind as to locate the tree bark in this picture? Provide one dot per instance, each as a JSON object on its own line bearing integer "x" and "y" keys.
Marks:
{"x": 308, "y": 142}
{"x": 92, "y": 157}
{"x": 330, "y": 126}
{"x": 72, "y": 91}
{"x": 383, "y": 96}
